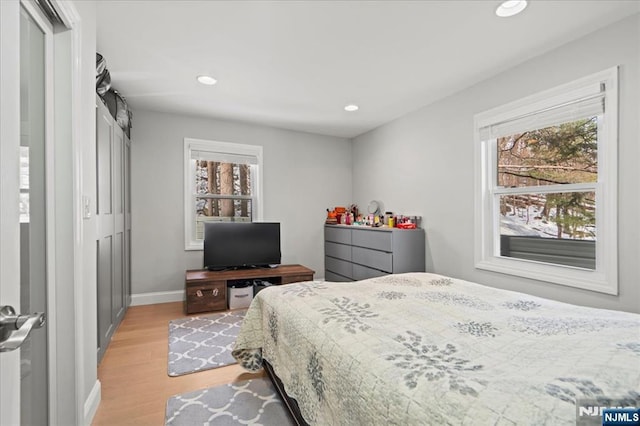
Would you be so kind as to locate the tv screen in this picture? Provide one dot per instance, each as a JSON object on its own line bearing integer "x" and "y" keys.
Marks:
{"x": 230, "y": 245}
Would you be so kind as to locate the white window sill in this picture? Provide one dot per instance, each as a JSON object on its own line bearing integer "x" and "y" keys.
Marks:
{"x": 563, "y": 275}
{"x": 194, "y": 247}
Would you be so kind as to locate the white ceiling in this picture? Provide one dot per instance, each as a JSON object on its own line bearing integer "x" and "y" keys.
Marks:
{"x": 296, "y": 64}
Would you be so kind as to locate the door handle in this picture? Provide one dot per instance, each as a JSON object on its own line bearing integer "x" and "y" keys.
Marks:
{"x": 14, "y": 329}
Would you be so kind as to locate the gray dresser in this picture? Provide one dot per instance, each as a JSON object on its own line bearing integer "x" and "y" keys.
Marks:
{"x": 356, "y": 253}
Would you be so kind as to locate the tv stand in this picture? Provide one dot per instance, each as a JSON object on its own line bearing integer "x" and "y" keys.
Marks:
{"x": 207, "y": 290}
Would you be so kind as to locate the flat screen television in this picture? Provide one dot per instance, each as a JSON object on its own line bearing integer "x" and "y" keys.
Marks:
{"x": 234, "y": 245}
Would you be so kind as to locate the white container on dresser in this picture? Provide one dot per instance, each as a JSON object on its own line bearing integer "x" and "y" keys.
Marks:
{"x": 356, "y": 253}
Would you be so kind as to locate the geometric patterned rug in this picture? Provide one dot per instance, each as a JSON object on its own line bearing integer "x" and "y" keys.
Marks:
{"x": 202, "y": 343}
{"x": 249, "y": 402}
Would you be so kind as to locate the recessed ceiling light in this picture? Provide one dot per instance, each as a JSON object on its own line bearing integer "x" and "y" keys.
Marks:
{"x": 205, "y": 79}
{"x": 510, "y": 8}
{"x": 351, "y": 108}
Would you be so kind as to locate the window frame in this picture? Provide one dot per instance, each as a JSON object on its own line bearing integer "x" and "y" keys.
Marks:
{"x": 604, "y": 278}
{"x": 223, "y": 148}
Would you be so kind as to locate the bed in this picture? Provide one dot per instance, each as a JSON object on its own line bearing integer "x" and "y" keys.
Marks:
{"x": 422, "y": 348}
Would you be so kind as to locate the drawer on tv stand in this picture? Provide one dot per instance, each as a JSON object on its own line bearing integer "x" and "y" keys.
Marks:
{"x": 204, "y": 297}
{"x": 296, "y": 278}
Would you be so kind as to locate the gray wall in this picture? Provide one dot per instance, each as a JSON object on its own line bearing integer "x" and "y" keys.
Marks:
{"x": 423, "y": 162}
{"x": 303, "y": 175}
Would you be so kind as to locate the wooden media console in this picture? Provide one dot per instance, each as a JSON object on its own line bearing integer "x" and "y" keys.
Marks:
{"x": 207, "y": 290}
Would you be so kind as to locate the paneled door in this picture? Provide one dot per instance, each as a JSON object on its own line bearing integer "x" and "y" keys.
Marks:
{"x": 112, "y": 156}
{"x": 26, "y": 134}
{"x": 105, "y": 244}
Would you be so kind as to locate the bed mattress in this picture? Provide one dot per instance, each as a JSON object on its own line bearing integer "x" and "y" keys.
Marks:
{"x": 422, "y": 348}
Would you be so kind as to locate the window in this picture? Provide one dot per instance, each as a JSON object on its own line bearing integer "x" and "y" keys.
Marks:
{"x": 222, "y": 182}
{"x": 546, "y": 185}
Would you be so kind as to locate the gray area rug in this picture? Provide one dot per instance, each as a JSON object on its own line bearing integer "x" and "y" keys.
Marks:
{"x": 203, "y": 342}
{"x": 250, "y": 402}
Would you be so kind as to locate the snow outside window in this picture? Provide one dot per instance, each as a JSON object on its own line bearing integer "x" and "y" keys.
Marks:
{"x": 222, "y": 184}
{"x": 546, "y": 185}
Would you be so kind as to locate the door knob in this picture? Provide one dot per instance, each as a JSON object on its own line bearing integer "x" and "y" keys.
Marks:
{"x": 14, "y": 329}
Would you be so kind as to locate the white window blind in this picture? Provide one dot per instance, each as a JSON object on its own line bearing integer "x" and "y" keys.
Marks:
{"x": 223, "y": 157}
{"x": 581, "y": 104}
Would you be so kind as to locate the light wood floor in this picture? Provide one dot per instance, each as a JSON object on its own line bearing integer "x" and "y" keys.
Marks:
{"x": 133, "y": 372}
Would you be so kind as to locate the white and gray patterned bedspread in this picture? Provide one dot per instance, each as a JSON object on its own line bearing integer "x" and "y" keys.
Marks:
{"x": 418, "y": 349}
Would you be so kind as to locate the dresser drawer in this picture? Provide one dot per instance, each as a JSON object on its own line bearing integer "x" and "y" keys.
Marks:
{"x": 207, "y": 296}
{"x": 362, "y": 272}
{"x": 337, "y": 234}
{"x": 340, "y": 267}
{"x": 379, "y": 240}
{"x": 341, "y": 251}
{"x": 335, "y": 278}
{"x": 373, "y": 258}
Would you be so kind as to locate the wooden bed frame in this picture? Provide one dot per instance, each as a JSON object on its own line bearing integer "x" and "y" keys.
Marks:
{"x": 290, "y": 403}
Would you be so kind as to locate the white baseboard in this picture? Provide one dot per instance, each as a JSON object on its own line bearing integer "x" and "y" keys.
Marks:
{"x": 92, "y": 403}
{"x": 166, "y": 296}
{"x": 157, "y": 297}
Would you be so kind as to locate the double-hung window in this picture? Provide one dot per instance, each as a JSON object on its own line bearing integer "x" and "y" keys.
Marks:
{"x": 546, "y": 185}
{"x": 222, "y": 182}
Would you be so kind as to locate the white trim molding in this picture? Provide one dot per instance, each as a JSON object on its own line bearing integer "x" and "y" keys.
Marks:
{"x": 604, "y": 277}
{"x": 157, "y": 297}
{"x": 92, "y": 402}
